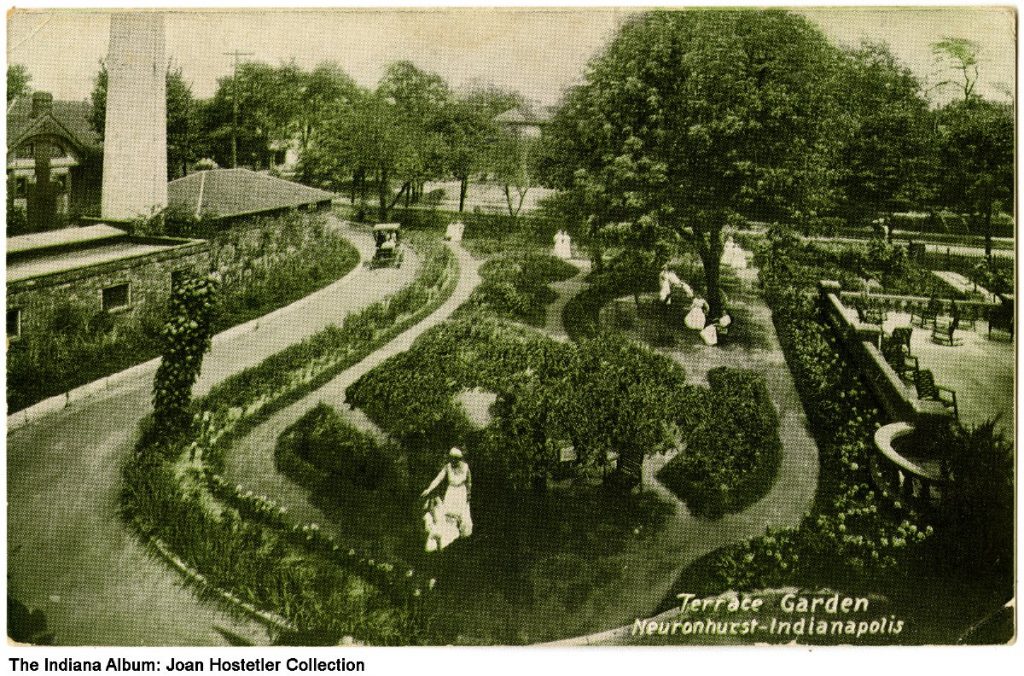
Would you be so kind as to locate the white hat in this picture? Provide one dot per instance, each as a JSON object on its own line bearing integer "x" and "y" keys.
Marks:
{"x": 455, "y": 453}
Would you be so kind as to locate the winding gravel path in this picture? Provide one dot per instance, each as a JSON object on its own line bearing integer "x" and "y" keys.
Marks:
{"x": 250, "y": 460}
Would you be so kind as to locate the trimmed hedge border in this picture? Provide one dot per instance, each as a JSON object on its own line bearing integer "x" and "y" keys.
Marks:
{"x": 242, "y": 402}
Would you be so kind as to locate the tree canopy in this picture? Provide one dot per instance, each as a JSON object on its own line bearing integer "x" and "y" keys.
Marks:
{"x": 692, "y": 120}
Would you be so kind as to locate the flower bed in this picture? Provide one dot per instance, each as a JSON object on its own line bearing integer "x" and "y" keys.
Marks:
{"x": 732, "y": 456}
{"x": 246, "y": 544}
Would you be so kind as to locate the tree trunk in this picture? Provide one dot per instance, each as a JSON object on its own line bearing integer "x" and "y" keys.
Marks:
{"x": 383, "y": 195}
{"x": 711, "y": 257}
{"x": 352, "y": 192}
{"x": 988, "y": 232}
{"x": 463, "y": 189}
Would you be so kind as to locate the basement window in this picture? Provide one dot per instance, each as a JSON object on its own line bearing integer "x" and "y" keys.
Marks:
{"x": 116, "y": 296}
{"x": 13, "y": 324}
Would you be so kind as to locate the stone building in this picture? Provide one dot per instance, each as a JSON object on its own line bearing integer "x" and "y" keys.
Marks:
{"x": 99, "y": 269}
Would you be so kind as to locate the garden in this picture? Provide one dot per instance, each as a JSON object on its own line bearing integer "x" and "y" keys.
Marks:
{"x": 290, "y": 575}
{"x": 557, "y": 441}
{"x": 265, "y": 263}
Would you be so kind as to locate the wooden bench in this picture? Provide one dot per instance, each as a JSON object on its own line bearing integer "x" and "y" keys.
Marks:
{"x": 897, "y": 355}
{"x": 924, "y": 382}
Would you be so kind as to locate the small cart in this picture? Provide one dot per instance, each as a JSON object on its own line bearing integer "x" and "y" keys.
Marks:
{"x": 387, "y": 238}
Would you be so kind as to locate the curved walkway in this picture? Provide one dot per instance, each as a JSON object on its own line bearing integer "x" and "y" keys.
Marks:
{"x": 566, "y": 290}
{"x": 68, "y": 551}
{"x": 785, "y": 504}
{"x": 250, "y": 461}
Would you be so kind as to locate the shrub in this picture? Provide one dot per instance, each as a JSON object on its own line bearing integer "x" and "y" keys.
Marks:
{"x": 515, "y": 285}
{"x": 322, "y": 439}
{"x": 187, "y": 337}
{"x": 733, "y": 453}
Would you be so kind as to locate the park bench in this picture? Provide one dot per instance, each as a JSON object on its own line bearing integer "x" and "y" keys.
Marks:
{"x": 924, "y": 382}
{"x": 897, "y": 355}
{"x": 902, "y": 335}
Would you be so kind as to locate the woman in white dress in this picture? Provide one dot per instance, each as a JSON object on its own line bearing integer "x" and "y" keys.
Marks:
{"x": 448, "y": 517}
{"x": 696, "y": 318}
{"x": 563, "y": 245}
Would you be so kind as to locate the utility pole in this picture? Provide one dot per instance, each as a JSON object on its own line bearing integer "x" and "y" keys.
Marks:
{"x": 234, "y": 106}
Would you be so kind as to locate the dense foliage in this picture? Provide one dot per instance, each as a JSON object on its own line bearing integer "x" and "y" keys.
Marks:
{"x": 515, "y": 285}
{"x": 732, "y": 455}
{"x": 694, "y": 120}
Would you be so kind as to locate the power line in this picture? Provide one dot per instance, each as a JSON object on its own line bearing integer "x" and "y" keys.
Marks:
{"x": 234, "y": 105}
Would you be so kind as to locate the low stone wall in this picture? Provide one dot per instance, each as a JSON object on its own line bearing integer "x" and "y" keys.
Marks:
{"x": 861, "y": 341}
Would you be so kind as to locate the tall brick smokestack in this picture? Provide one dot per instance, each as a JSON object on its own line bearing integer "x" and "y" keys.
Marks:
{"x": 42, "y": 195}
{"x": 135, "y": 136}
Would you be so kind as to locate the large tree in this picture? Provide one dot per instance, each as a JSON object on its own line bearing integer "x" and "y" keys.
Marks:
{"x": 976, "y": 139}
{"x": 884, "y": 158}
{"x": 692, "y": 120}
{"x": 471, "y": 132}
{"x": 399, "y": 133}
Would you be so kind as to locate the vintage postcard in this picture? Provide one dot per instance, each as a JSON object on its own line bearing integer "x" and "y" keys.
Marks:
{"x": 509, "y": 326}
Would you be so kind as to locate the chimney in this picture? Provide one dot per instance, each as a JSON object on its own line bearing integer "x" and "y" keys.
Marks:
{"x": 42, "y": 103}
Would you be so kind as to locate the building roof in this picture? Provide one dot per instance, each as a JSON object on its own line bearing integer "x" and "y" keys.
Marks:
{"x": 522, "y": 116}
{"x": 57, "y": 239}
{"x": 225, "y": 193}
{"x": 53, "y": 252}
{"x": 71, "y": 118}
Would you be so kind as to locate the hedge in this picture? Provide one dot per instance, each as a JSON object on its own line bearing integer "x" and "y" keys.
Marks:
{"x": 732, "y": 456}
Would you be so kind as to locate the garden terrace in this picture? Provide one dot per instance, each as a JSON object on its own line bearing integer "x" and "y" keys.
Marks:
{"x": 977, "y": 364}
{"x": 862, "y": 342}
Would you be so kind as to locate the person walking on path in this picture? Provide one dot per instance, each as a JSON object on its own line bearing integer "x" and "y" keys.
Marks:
{"x": 448, "y": 518}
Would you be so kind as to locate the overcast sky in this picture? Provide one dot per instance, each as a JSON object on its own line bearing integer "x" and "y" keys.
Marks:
{"x": 538, "y": 52}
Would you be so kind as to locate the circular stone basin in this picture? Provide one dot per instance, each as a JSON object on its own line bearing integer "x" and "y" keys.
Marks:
{"x": 895, "y": 437}
{"x": 477, "y": 404}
